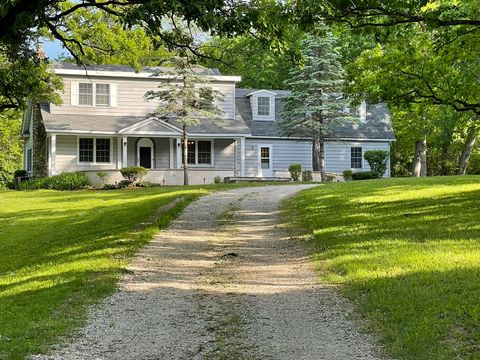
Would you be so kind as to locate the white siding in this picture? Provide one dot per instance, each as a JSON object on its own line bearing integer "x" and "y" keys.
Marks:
{"x": 67, "y": 158}
{"x": 130, "y": 97}
{"x": 284, "y": 153}
{"x": 337, "y": 155}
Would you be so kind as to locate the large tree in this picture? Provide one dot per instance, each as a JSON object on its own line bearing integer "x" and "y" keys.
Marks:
{"x": 186, "y": 99}
{"x": 316, "y": 104}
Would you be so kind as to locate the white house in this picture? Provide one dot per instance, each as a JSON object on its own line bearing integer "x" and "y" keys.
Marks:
{"x": 105, "y": 124}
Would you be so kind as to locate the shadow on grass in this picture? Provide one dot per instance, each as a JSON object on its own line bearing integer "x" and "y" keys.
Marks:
{"x": 407, "y": 251}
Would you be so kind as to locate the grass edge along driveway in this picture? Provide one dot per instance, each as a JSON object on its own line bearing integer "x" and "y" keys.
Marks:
{"x": 61, "y": 252}
{"x": 407, "y": 253}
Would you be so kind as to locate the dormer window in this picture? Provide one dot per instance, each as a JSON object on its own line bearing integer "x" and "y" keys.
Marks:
{"x": 263, "y": 105}
{"x": 263, "y": 108}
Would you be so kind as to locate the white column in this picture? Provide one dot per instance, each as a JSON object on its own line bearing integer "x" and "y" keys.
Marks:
{"x": 242, "y": 156}
{"x": 124, "y": 152}
{"x": 170, "y": 151}
{"x": 119, "y": 153}
{"x": 53, "y": 154}
{"x": 178, "y": 149}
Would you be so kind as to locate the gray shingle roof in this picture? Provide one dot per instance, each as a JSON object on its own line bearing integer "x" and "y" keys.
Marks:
{"x": 124, "y": 68}
{"x": 378, "y": 124}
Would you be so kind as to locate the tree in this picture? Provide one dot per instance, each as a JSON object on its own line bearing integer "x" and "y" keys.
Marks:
{"x": 187, "y": 100}
{"x": 315, "y": 105}
{"x": 11, "y": 153}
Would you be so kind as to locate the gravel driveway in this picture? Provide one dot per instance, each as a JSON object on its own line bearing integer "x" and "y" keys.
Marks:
{"x": 222, "y": 282}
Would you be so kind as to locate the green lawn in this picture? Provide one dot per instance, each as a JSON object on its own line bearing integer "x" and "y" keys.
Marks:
{"x": 407, "y": 253}
{"x": 62, "y": 251}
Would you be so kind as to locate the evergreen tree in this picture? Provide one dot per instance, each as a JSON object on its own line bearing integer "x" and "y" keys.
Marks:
{"x": 184, "y": 102}
{"x": 316, "y": 104}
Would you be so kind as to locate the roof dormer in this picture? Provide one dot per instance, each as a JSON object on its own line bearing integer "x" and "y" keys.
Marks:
{"x": 263, "y": 105}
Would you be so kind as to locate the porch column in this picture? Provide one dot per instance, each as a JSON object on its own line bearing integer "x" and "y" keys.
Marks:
{"x": 242, "y": 156}
{"x": 178, "y": 150}
{"x": 52, "y": 154}
{"x": 170, "y": 152}
{"x": 124, "y": 152}
{"x": 119, "y": 153}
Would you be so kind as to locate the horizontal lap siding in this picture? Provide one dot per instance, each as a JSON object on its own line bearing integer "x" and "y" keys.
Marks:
{"x": 224, "y": 154}
{"x": 66, "y": 158}
{"x": 337, "y": 154}
{"x": 285, "y": 152}
{"x": 131, "y": 101}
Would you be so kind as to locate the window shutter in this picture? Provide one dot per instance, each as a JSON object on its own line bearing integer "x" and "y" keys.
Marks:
{"x": 74, "y": 93}
{"x": 113, "y": 95}
{"x": 272, "y": 108}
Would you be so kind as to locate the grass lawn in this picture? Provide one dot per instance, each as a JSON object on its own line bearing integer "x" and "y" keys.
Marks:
{"x": 63, "y": 251}
{"x": 407, "y": 253}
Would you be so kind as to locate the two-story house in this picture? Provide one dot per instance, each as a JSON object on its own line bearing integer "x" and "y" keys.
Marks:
{"x": 104, "y": 124}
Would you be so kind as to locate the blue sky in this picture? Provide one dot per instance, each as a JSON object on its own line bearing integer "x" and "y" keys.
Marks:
{"x": 53, "y": 49}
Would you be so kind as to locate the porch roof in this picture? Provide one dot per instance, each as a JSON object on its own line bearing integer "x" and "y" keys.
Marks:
{"x": 137, "y": 125}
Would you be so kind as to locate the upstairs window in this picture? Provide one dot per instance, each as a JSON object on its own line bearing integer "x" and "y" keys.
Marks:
{"x": 90, "y": 94}
{"x": 263, "y": 107}
{"x": 102, "y": 94}
{"x": 85, "y": 94}
{"x": 356, "y": 158}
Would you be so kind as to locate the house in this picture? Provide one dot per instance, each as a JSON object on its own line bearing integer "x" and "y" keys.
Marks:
{"x": 104, "y": 124}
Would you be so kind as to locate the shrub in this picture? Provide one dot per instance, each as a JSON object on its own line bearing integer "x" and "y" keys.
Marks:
{"x": 133, "y": 174}
{"x": 295, "y": 170}
{"x": 377, "y": 159}
{"x": 123, "y": 184}
{"x": 63, "y": 181}
{"x": 109, "y": 187}
{"x": 347, "y": 175}
{"x": 217, "y": 180}
{"x": 20, "y": 173}
{"x": 330, "y": 178}
{"x": 307, "y": 175}
{"x": 364, "y": 175}
{"x": 148, "y": 184}
{"x": 103, "y": 177}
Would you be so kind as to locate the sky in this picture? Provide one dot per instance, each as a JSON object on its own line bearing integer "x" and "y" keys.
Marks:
{"x": 53, "y": 49}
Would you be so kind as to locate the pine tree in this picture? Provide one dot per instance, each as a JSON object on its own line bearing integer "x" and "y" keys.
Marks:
{"x": 186, "y": 100}
{"x": 316, "y": 104}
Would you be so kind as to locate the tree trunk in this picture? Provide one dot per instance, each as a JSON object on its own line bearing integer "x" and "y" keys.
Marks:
{"x": 319, "y": 153}
{"x": 444, "y": 159}
{"x": 185, "y": 155}
{"x": 467, "y": 150}
{"x": 420, "y": 159}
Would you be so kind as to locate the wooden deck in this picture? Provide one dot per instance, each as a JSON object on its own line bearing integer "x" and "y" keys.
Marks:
{"x": 237, "y": 179}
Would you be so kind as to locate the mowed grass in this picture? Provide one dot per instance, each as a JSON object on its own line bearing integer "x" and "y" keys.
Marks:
{"x": 407, "y": 253}
{"x": 63, "y": 251}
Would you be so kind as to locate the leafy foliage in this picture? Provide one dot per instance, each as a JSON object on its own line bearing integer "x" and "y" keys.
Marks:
{"x": 307, "y": 175}
{"x": 11, "y": 153}
{"x": 63, "y": 181}
{"x": 377, "y": 159}
{"x": 133, "y": 174}
{"x": 348, "y": 175}
{"x": 295, "y": 170}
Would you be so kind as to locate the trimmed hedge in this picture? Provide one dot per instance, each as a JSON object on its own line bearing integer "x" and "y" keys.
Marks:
{"x": 364, "y": 175}
{"x": 347, "y": 175}
{"x": 133, "y": 174}
{"x": 63, "y": 181}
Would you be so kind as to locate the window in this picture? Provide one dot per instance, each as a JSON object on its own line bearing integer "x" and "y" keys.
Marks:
{"x": 85, "y": 94}
{"x": 265, "y": 157}
{"x": 199, "y": 152}
{"x": 356, "y": 158}
{"x": 90, "y": 149}
{"x": 102, "y": 151}
{"x": 263, "y": 106}
{"x": 29, "y": 160}
{"x": 93, "y": 94}
{"x": 102, "y": 94}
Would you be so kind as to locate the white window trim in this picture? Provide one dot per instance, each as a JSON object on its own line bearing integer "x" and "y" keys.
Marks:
{"x": 255, "y": 116}
{"x": 94, "y": 94}
{"x": 212, "y": 151}
{"x": 259, "y": 156}
{"x": 361, "y": 158}
{"x": 94, "y": 162}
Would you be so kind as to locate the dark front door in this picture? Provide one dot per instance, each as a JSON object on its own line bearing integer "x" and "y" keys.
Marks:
{"x": 146, "y": 157}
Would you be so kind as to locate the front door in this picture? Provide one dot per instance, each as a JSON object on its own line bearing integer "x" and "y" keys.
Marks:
{"x": 146, "y": 157}
{"x": 265, "y": 161}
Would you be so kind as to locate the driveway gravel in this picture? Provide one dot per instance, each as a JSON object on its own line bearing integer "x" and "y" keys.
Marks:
{"x": 224, "y": 281}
